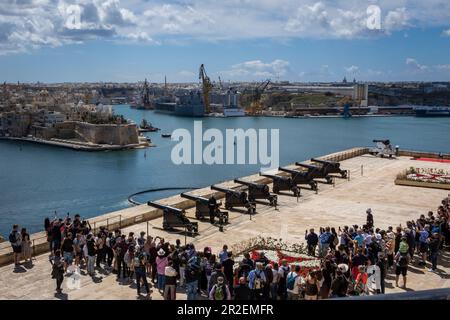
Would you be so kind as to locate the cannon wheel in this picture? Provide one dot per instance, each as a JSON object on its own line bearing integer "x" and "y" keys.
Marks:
{"x": 329, "y": 179}
{"x": 344, "y": 174}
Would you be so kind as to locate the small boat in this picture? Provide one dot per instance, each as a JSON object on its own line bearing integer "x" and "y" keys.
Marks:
{"x": 166, "y": 135}
{"x": 147, "y": 127}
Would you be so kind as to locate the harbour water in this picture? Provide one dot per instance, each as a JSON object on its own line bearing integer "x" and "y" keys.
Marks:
{"x": 37, "y": 180}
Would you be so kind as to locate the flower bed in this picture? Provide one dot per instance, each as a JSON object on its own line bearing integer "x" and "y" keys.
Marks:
{"x": 275, "y": 250}
{"x": 427, "y": 175}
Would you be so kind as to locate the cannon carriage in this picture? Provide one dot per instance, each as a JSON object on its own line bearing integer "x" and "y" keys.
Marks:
{"x": 257, "y": 191}
{"x": 236, "y": 199}
{"x": 282, "y": 183}
{"x": 300, "y": 177}
{"x": 316, "y": 172}
{"x": 204, "y": 207}
{"x": 175, "y": 218}
{"x": 329, "y": 167}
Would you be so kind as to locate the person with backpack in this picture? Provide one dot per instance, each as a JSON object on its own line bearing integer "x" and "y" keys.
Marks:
{"x": 294, "y": 282}
{"x": 57, "y": 263}
{"x": 401, "y": 264}
{"x": 283, "y": 273}
{"x": 140, "y": 260}
{"x": 220, "y": 291}
{"x": 324, "y": 241}
{"x": 256, "y": 282}
{"x": 192, "y": 275}
{"x": 215, "y": 275}
{"x": 16, "y": 243}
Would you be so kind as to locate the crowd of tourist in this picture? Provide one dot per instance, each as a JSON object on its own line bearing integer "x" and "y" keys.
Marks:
{"x": 354, "y": 260}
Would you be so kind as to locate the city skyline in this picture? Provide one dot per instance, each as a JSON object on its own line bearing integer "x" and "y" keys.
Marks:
{"x": 302, "y": 41}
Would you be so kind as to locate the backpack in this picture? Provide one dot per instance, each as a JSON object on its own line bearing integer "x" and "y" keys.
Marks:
{"x": 259, "y": 283}
{"x": 291, "y": 281}
{"x": 219, "y": 292}
{"x": 13, "y": 237}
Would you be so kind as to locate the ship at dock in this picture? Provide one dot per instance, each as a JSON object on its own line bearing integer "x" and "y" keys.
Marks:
{"x": 431, "y": 111}
{"x": 187, "y": 105}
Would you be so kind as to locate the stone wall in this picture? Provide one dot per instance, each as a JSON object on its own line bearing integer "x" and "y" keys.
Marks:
{"x": 122, "y": 134}
{"x": 107, "y": 133}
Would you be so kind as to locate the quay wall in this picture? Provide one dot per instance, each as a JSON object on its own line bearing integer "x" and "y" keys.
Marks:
{"x": 142, "y": 213}
{"x": 112, "y": 134}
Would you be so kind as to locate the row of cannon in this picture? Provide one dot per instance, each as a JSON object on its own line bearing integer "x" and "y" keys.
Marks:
{"x": 238, "y": 198}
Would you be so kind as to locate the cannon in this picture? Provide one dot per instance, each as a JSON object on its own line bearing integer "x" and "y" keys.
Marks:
{"x": 299, "y": 177}
{"x": 236, "y": 198}
{"x": 331, "y": 167}
{"x": 316, "y": 172}
{"x": 174, "y": 217}
{"x": 258, "y": 191}
{"x": 204, "y": 207}
{"x": 383, "y": 148}
{"x": 281, "y": 183}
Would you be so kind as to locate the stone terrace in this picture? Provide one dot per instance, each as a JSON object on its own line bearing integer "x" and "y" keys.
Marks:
{"x": 343, "y": 204}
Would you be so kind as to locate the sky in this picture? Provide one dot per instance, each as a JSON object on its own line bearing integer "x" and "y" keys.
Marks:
{"x": 238, "y": 40}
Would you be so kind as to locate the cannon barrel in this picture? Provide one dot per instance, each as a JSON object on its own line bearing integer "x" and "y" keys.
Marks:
{"x": 323, "y": 161}
{"x": 247, "y": 183}
{"x": 193, "y": 198}
{"x": 164, "y": 207}
{"x": 304, "y": 165}
{"x": 385, "y": 141}
{"x": 273, "y": 176}
{"x": 225, "y": 190}
{"x": 289, "y": 170}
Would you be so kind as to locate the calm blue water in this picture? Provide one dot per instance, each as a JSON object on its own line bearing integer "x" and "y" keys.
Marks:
{"x": 36, "y": 180}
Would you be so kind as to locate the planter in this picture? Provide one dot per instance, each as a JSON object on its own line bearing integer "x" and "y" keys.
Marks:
{"x": 411, "y": 183}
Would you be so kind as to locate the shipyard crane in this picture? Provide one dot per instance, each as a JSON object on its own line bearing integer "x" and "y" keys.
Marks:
{"x": 207, "y": 86}
{"x": 255, "y": 106}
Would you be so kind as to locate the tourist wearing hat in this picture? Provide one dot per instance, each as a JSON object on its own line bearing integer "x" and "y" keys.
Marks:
{"x": 339, "y": 286}
{"x": 161, "y": 264}
{"x": 216, "y": 274}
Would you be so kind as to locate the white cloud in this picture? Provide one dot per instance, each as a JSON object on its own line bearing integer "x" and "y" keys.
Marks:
{"x": 446, "y": 32}
{"x": 415, "y": 65}
{"x": 27, "y": 24}
{"x": 258, "y": 69}
{"x": 352, "y": 69}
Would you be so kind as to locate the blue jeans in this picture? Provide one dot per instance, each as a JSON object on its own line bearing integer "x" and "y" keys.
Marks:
{"x": 191, "y": 290}
{"x": 161, "y": 281}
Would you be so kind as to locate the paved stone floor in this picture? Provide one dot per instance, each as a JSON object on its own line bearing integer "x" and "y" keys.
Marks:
{"x": 343, "y": 204}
